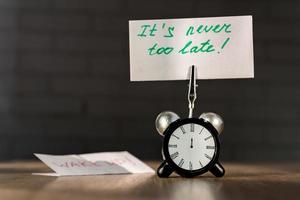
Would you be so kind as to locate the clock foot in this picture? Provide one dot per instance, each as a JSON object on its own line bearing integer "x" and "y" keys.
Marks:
{"x": 217, "y": 170}
{"x": 164, "y": 170}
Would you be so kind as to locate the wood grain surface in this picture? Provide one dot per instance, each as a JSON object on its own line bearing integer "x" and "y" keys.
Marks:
{"x": 241, "y": 181}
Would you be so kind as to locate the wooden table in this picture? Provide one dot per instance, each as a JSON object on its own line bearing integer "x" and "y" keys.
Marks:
{"x": 242, "y": 181}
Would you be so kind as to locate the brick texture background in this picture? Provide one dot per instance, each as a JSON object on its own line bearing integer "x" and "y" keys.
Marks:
{"x": 64, "y": 80}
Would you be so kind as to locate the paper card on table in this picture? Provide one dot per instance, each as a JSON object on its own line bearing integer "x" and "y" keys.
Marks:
{"x": 164, "y": 49}
{"x": 93, "y": 164}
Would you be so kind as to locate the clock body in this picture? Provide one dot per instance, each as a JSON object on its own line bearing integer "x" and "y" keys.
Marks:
{"x": 191, "y": 146}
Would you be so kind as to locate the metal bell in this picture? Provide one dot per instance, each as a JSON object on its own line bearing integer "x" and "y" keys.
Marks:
{"x": 215, "y": 119}
{"x": 163, "y": 120}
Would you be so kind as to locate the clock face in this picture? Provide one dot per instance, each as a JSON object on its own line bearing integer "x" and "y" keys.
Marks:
{"x": 191, "y": 146}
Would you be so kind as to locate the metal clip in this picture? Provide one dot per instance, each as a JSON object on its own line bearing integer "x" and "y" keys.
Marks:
{"x": 192, "y": 95}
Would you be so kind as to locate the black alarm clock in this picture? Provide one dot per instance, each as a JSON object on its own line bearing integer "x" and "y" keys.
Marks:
{"x": 191, "y": 145}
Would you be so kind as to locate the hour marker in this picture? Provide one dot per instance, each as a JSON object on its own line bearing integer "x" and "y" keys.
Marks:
{"x": 173, "y": 145}
{"x": 181, "y": 162}
{"x": 207, "y": 137}
{"x": 191, "y": 165}
{"x": 192, "y": 127}
{"x": 200, "y": 163}
{"x": 174, "y": 155}
{"x": 175, "y": 136}
{"x": 182, "y": 129}
{"x": 201, "y": 130}
{"x": 207, "y": 156}
{"x": 210, "y": 147}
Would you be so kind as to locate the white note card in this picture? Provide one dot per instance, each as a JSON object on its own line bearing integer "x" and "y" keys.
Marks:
{"x": 164, "y": 49}
{"x": 93, "y": 164}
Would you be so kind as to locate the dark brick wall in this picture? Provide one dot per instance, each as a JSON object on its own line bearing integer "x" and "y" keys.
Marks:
{"x": 64, "y": 80}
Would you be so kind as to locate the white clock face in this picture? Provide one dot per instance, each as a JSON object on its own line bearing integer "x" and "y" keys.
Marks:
{"x": 191, "y": 146}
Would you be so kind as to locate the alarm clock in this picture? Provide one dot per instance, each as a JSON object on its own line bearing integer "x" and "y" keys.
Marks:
{"x": 191, "y": 145}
